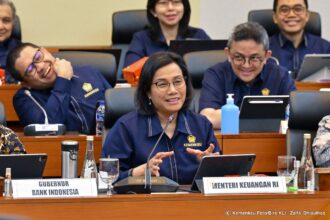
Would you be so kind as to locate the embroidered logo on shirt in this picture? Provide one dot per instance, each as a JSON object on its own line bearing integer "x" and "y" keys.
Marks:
{"x": 88, "y": 88}
{"x": 265, "y": 91}
{"x": 192, "y": 142}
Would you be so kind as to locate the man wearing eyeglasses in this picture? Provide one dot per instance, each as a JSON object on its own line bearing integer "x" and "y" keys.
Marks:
{"x": 292, "y": 43}
{"x": 246, "y": 72}
{"x": 68, "y": 94}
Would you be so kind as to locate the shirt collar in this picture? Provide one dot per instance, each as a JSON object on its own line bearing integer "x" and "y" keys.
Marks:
{"x": 155, "y": 128}
{"x": 283, "y": 40}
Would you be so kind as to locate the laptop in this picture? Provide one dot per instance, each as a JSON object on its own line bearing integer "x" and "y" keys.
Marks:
{"x": 315, "y": 67}
{"x": 23, "y": 166}
{"x": 182, "y": 47}
{"x": 222, "y": 165}
{"x": 262, "y": 113}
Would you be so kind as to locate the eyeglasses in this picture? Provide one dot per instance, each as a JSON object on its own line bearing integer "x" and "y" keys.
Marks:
{"x": 255, "y": 60}
{"x": 297, "y": 9}
{"x": 32, "y": 69}
{"x": 165, "y": 85}
{"x": 166, "y": 3}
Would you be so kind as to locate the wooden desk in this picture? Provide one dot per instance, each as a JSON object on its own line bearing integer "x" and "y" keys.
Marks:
{"x": 311, "y": 86}
{"x": 7, "y": 93}
{"x": 266, "y": 146}
{"x": 176, "y": 206}
{"x": 52, "y": 146}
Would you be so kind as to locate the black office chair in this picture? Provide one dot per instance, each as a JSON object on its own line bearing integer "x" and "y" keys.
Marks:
{"x": 104, "y": 62}
{"x": 265, "y": 18}
{"x": 2, "y": 114}
{"x": 307, "y": 108}
{"x": 124, "y": 25}
{"x": 16, "y": 33}
{"x": 197, "y": 63}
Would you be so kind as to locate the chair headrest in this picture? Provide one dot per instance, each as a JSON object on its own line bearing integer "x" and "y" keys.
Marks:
{"x": 265, "y": 18}
{"x": 199, "y": 62}
{"x": 126, "y": 23}
{"x": 118, "y": 101}
{"x": 104, "y": 62}
{"x": 307, "y": 108}
{"x": 2, "y": 114}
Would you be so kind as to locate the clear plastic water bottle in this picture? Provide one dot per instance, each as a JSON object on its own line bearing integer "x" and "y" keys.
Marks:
{"x": 230, "y": 117}
{"x": 306, "y": 175}
{"x": 99, "y": 118}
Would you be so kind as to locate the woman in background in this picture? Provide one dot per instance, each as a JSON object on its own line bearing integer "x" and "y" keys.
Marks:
{"x": 162, "y": 97}
{"x": 7, "y": 42}
{"x": 168, "y": 20}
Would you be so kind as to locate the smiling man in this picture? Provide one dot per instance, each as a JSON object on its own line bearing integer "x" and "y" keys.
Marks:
{"x": 68, "y": 94}
{"x": 292, "y": 43}
{"x": 246, "y": 72}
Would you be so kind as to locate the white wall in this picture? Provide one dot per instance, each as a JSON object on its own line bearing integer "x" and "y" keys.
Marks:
{"x": 218, "y": 17}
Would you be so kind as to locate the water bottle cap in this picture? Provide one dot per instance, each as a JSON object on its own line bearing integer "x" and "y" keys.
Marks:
{"x": 90, "y": 138}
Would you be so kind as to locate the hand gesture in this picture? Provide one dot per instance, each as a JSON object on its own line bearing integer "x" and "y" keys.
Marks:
{"x": 200, "y": 154}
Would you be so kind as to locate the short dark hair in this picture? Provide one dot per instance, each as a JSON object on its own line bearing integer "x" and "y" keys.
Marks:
{"x": 154, "y": 26}
{"x": 249, "y": 31}
{"x": 276, "y": 3}
{"x": 13, "y": 55}
{"x": 155, "y": 62}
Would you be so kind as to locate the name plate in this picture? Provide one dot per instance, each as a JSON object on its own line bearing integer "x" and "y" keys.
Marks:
{"x": 249, "y": 184}
{"x": 46, "y": 127}
{"x": 54, "y": 188}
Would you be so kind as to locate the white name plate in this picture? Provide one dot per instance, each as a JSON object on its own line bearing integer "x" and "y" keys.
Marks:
{"x": 46, "y": 127}
{"x": 54, "y": 188}
{"x": 250, "y": 184}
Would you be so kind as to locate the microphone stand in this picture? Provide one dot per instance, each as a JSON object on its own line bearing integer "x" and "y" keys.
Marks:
{"x": 147, "y": 176}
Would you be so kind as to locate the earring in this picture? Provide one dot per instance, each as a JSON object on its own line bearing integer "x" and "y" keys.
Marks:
{"x": 150, "y": 103}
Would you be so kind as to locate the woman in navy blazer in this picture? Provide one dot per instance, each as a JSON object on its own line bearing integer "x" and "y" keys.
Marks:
{"x": 168, "y": 20}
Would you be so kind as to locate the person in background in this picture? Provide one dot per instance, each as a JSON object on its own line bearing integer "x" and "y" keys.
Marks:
{"x": 7, "y": 42}
{"x": 321, "y": 144}
{"x": 164, "y": 91}
{"x": 246, "y": 72}
{"x": 292, "y": 43}
{"x": 69, "y": 94}
{"x": 168, "y": 20}
{"x": 9, "y": 142}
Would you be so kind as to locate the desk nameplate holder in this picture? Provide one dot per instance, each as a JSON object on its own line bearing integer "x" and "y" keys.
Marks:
{"x": 249, "y": 184}
{"x": 54, "y": 188}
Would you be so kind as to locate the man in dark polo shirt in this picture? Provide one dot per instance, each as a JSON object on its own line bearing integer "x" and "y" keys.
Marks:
{"x": 292, "y": 43}
{"x": 248, "y": 71}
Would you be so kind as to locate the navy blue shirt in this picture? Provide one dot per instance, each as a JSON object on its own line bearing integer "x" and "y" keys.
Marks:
{"x": 134, "y": 135}
{"x": 70, "y": 102}
{"x": 292, "y": 58}
{"x": 142, "y": 45}
{"x": 5, "y": 47}
{"x": 220, "y": 80}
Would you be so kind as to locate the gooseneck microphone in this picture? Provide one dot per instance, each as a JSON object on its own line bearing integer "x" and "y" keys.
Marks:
{"x": 28, "y": 93}
{"x": 148, "y": 172}
{"x": 42, "y": 129}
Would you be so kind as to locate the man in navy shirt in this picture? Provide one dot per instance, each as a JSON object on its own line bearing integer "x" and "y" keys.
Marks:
{"x": 292, "y": 43}
{"x": 246, "y": 72}
{"x": 68, "y": 94}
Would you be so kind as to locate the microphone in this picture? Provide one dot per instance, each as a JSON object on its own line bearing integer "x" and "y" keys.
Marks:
{"x": 28, "y": 93}
{"x": 147, "y": 172}
{"x": 42, "y": 129}
{"x": 142, "y": 184}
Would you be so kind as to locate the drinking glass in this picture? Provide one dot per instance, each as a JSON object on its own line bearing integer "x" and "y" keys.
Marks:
{"x": 109, "y": 172}
{"x": 285, "y": 167}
